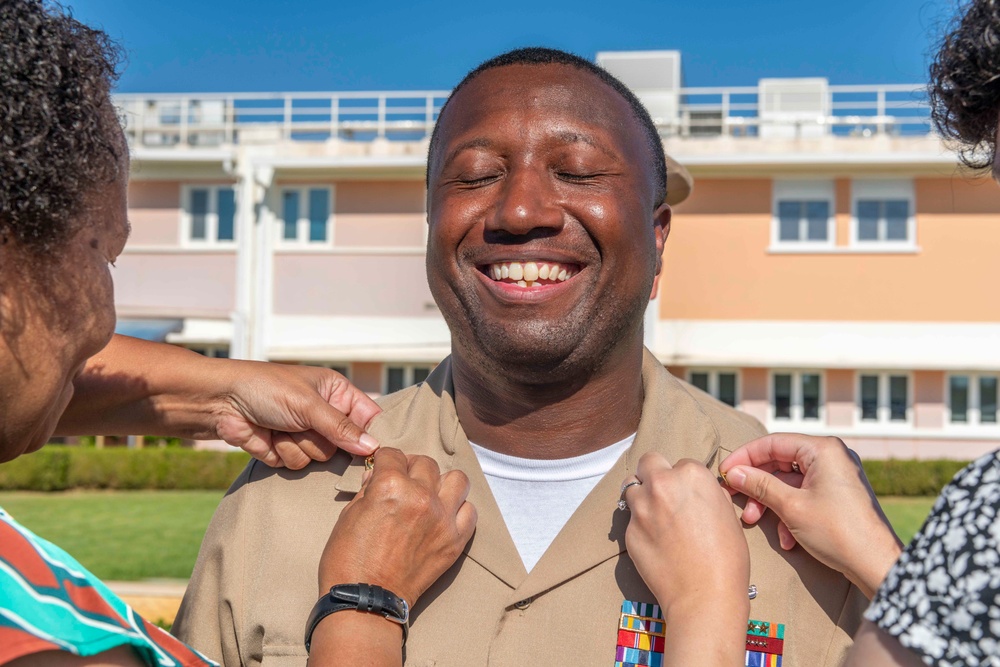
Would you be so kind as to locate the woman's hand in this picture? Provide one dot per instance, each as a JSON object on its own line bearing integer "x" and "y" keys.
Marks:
{"x": 689, "y": 548}
{"x": 818, "y": 489}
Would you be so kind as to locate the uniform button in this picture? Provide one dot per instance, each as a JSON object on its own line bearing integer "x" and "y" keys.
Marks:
{"x": 523, "y": 604}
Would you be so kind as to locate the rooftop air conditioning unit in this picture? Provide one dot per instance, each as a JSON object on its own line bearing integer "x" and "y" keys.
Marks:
{"x": 793, "y": 108}
{"x": 655, "y": 78}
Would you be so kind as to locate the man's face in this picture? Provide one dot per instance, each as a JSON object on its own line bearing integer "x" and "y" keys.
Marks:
{"x": 545, "y": 235}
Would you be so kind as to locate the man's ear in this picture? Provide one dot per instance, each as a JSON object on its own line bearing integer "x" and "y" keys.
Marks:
{"x": 661, "y": 230}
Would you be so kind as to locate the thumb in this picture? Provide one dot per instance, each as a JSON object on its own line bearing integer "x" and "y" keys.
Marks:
{"x": 760, "y": 486}
{"x": 338, "y": 428}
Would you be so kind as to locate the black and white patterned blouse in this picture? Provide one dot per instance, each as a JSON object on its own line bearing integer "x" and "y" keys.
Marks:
{"x": 942, "y": 599}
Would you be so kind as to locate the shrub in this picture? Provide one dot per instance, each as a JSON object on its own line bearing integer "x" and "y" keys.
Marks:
{"x": 899, "y": 477}
{"x": 57, "y": 468}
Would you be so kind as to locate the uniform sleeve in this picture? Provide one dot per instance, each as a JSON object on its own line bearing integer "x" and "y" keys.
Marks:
{"x": 942, "y": 598}
{"x": 851, "y": 615}
{"x": 211, "y": 613}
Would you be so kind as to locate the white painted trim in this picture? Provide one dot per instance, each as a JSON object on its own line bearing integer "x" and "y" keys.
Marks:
{"x": 211, "y": 217}
{"x": 797, "y": 422}
{"x": 830, "y": 344}
{"x": 882, "y": 399}
{"x": 713, "y": 381}
{"x": 884, "y": 189}
{"x": 908, "y": 433}
{"x": 975, "y": 406}
{"x": 179, "y": 250}
{"x": 345, "y": 338}
{"x": 799, "y": 190}
{"x": 302, "y": 242}
{"x": 880, "y": 249}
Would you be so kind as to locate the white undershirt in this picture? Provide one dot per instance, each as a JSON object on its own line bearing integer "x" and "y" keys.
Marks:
{"x": 537, "y": 496}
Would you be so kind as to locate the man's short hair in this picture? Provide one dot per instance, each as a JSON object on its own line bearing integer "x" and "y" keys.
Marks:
{"x": 964, "y": 85}
{"x": 543, "y": 56}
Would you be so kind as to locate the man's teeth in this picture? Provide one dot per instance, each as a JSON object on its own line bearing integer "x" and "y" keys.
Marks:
{"x": 526, "y": 274}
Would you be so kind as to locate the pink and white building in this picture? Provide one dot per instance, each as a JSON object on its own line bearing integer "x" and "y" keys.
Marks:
{"x": 834, "y": 271}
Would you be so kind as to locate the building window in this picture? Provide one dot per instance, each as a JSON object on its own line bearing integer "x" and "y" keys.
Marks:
{"x": 803, "y": 215}
{"x": 884, "y": 398}
{"x": 209, "y": 214}
{"x": 400, "y": 376}
{"x": 972, "y": 399}
{"x": 305, "y": 216}
{"x": 797, "y": 395}
{"x": 723, "y": 385}
{"x": 883, "y": 214}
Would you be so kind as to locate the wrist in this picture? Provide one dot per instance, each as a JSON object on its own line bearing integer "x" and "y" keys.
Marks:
{"x": 869, "y": 574}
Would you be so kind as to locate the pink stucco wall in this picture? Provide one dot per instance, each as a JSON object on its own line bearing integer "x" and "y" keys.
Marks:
{"x": 378, "y": 214}
{"x": 754, "y": 400}
{"x": 928, "y": 399}
{"x": 363, "y": 285}
{"x": 154, "y": 211}
{"x": 840, "y": 404}
{"x": 920, "y": 448}
{"x": 174, "y": 285}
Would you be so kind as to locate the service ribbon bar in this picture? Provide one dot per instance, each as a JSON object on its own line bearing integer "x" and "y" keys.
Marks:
{"x": 765, "y": 644}
{"x": 640, "y": 635}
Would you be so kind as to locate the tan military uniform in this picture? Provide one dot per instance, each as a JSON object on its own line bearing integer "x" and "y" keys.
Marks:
{"x": 255, "y": 580}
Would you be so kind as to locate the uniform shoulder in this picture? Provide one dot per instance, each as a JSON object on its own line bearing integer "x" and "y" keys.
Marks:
{"x": 734, "y": 426}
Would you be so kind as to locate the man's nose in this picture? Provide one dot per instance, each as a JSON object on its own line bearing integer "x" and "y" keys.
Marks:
{"x": 527, "y": 203}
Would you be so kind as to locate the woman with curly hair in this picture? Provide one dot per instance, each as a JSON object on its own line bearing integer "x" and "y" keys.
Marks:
{"x": 64, "y": 168}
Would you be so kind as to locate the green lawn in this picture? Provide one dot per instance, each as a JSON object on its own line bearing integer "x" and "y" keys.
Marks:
{"x": 121, "y": 535}
{"x": 906, "y": 514}
{"x": 135, "y": 535}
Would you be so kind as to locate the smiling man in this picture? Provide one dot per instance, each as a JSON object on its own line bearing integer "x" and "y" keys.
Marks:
{"x": 548, "y": 209}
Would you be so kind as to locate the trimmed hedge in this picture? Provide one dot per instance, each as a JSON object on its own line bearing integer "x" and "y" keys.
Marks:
{"x": 58, "y": 468}
{"x": 903, "y": 477}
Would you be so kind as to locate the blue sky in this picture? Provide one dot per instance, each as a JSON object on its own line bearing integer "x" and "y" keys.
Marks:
{"x": 227, "y": 46}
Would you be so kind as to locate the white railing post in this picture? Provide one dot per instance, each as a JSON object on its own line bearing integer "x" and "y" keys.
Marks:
{"x": 381, "y": 115}
{"x": 288, "y": 119}
{"x": 334, "y": 117}
{"x": 429, "y": 115}
{"x": 725, "y": 112}
{"x": 184, "y": 122}
{"x": 229, "y": 120}
{"x": 880, "y": 109}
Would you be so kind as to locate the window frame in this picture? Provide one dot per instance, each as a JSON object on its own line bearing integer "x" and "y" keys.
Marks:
{"x": 211, "y": 239}
{"x": 796, "y": 406}
{"x": 883, "y": 190}
{"x": 713, "y": 382}
{"x": 884, "y": 409}
{"x": 301, "y": 241}
{"x": 803, "y": 190}
{"x": 975, "y": 401}
{"x": 408, "y": 370}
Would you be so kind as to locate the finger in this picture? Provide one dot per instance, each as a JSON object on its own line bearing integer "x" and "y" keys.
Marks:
{"x": 291, "y": 454}
{"x": 649, "y": 464}
{"x": 454, "y": 489}
{"x": 313, "y": 445}
{"x": 389, "y": 460}
{"x": 259, "y": 446}
{"x": 425, "y": 470}
{"x": 785, "y": 448}
{"x": 758, "y": 485}
{"x": 754, "y": 509}
{"x": 631, "y": 485}
{"x": 337, "y": 427}
{"x": 465, "y": 522}
{"x": 785, "y": 537}
{"x": 353, "y": 402}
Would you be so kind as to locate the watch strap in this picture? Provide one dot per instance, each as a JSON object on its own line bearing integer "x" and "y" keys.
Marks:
{"x": 359, "y": 597}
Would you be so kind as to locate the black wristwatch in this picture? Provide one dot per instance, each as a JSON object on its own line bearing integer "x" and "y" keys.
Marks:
{"x": 361, "y": 597}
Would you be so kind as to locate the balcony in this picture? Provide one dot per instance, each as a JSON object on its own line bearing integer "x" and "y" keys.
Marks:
{"x": 777, "y": 108}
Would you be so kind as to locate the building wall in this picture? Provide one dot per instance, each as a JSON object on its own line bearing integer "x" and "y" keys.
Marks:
{"x": 154, "y": 212}
{"x": 175, "y": 285}
{"x": 379, "y": 214}
{"x": 717, "y": 264}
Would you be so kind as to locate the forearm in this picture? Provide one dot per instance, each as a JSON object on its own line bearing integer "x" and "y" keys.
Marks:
{"x": 869, "y": 573}
{"x": 356, "y": 638}
{"x": 134, "y": 386}
{"x": 708, "y": 630}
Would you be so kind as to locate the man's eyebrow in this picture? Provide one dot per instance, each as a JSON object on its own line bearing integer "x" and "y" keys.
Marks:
{"x": 571, "y": 137}
{"x": 478, "y": 142}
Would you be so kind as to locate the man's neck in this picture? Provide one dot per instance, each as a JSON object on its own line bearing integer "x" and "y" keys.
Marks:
{"x": 550, "y": 421}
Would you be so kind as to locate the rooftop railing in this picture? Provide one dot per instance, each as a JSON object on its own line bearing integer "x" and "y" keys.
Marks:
{"x": 211, "y": 120}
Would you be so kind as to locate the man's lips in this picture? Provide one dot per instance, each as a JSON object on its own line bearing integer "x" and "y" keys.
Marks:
{"x": 530, "y": 274}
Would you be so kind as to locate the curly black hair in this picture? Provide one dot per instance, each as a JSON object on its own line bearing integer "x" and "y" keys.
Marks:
{"x": 58, "y": 131}
{"x": 964, "y": 85}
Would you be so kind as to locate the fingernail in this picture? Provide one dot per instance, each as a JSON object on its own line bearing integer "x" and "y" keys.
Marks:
{"x": 736, "y": 477}
{"x": 368, "y": 442}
